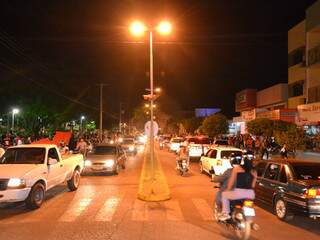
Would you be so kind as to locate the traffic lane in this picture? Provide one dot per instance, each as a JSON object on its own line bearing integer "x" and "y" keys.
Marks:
{"x": 197, "y": 184}
{"x": 89, "y": 185}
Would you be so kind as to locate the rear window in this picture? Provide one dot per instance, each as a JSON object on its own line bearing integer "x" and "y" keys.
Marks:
{"x": 199, "y": 140}
{"x": 226, "y": 154}
{"x": 100, "y": 150}
{"x": 306, "y": 172}
{"x": 128, "y": 141}
{"x": 23, "y": 156}
{"x": 221, "y": 142}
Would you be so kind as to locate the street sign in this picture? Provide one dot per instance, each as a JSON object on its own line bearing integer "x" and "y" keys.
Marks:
{"x": 147, "y": 127}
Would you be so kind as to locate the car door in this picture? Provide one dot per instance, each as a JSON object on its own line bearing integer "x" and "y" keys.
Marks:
{"x": 269, "y": 182}
{"x": 204, "y": 160}
{"x": 55, "y": 174}
{"x": 259, "y": 189}
{"x": 212, "y": 159}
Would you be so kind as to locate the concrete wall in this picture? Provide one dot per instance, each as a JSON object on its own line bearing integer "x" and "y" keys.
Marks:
{"x": 313, "y": 16}
{"x": 295, "y": 101}
{"x": 296, "y": 73}
{"x": 296, "y": 36}
{"x": 272, "y": 95}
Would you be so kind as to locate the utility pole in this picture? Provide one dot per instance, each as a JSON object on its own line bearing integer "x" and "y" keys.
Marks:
{"x": 101, "y": 110}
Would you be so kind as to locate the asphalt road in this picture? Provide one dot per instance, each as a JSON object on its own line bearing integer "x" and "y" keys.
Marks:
{"x": 106, "y": 207}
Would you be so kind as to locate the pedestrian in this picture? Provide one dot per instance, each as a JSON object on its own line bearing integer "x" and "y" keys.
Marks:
{"x": 82, "y": 147}
{"x": 284, "y": 151}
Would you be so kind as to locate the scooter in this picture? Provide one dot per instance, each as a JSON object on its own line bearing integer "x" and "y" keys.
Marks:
{"x": 242, "y": 215}
{"x": 182, "y": 166}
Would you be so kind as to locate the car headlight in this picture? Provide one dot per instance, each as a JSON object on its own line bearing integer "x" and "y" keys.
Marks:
{"x": 87, "y": 163}
{"x": 16, "y": 183}
{"x": 109, "y": 163}
{"x": 131, "y": 148}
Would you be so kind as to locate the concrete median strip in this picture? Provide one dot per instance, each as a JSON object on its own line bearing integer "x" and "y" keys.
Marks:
{"x": 153, "y": 186}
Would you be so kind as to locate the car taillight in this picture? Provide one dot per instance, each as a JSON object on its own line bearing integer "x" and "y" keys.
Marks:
{"x": 248, "y": 203}
{"x": 312, "y": 193}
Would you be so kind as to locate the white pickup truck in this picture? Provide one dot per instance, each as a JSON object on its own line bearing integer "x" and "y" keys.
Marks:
{"x": 28, "y": 171}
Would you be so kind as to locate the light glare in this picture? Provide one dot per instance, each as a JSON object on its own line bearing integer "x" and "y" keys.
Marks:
{"x": 137, "y": 28}
{"x": 164, "y": 28}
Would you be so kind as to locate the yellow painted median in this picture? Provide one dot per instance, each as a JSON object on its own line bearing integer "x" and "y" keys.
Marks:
{"x": 153, "y": 186}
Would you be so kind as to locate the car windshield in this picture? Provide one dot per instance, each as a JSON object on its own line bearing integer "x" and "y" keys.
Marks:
{"x": 199, "y": 140}
{"x": 101, "y": 150}
{"x": 23, "y": 156}
{"x": 226, "y": 154}
{"x": 177, "y": 140}
{"x": 128, "y": 141}
{"x": 307, "y": 172}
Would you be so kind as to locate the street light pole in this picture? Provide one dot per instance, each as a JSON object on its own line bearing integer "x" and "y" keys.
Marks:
{"x": 151, "y": 104}
{"x": 101, "y": 111}
{"x": 14, "y": 112}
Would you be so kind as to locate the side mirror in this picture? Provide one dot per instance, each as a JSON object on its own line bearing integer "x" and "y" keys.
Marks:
{"x": 52, "y": 161}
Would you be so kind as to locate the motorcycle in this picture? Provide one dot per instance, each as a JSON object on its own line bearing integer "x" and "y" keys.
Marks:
{"x": 242, "y": 214}
{"x": 182, "y": 166}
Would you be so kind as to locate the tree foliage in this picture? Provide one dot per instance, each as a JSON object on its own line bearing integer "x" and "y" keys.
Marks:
{"x": 292, "y": 136}
{"x": 191, "y": 124}
{"x": 215, "y": 125}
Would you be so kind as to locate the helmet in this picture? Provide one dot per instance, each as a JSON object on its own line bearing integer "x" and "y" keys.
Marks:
{"x": 235, "y": 159}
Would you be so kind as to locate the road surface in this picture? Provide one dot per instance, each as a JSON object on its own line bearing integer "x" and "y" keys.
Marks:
{"x": 106, "y": 207}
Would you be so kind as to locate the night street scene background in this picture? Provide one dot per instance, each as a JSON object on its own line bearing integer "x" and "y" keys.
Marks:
{"x": 127, "y": 119}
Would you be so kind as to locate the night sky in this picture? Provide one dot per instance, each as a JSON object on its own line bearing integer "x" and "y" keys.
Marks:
{"x": 61, "y": 49}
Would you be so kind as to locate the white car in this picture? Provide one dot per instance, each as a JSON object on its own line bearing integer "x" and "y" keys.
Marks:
{"x": 197, "y": 146}
{"x": 28, "y": 171}
{"x": 217, "y": 160}
{"x": 175, "y": 144}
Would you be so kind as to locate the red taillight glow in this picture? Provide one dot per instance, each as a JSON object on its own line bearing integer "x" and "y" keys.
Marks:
{"x": 312, "y": 193}
{"x": 248, "y": 203}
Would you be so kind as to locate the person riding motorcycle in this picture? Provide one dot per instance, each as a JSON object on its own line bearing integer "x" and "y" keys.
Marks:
{"x": 182, "y": 155}
{"x": 243, "y": 179}
{"x": 235, "y": 159}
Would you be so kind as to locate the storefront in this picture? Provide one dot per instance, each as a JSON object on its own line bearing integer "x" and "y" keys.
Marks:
{"x": 309, "y": 118}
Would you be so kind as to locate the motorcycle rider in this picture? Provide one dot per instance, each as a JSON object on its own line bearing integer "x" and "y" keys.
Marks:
{"x": 182, "y": 155}
{"x": 243, "y": 177}
{"x": 235, "y": 159}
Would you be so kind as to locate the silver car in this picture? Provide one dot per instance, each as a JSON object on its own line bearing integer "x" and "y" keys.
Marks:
{"x": 105, "y": 158}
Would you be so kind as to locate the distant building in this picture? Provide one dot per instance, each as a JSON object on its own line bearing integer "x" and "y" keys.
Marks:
{"x": 304, "y": 69}
{"x": 205, "y": 112}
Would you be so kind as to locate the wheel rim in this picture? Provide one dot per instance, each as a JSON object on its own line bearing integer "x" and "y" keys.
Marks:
{"x": 38, "y": 195}
{"x": 281, "y": 209}
{"x": 76, "y": 178}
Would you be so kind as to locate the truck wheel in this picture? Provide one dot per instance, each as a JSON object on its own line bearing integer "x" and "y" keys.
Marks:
{"x": 36, "y": 196}
{"x": 73, "y": 183}
{"x": 281, "y": 210}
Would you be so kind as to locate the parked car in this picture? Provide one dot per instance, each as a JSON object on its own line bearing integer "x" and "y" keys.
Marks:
{"x": 105, "y": 158}
{"x": 28, "y": 171}
{"x": 164, "y": 142}
{"x": 217, "y": 160}
{"x": 129, "y": 146}
{"x": 290, "y": 187}
{"x": 197, "y": 146}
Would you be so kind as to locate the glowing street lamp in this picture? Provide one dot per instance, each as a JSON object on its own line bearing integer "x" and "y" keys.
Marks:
{"x": 81, "y": 121}
{"x": 14, "y": 112}
{"x": 137, "y": 28}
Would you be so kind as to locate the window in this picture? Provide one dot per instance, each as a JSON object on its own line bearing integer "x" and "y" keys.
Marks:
{"x": 208, "y": 153}
{"x": 260, "y": 168}
{"x": 283, "y": 175}
{"x": 272, "y": 171}
{"x": 296, "y": 89}
{"x": 213, "y": 154}
{"x": 101, "y": 150}
{"x": 296, "y": 56}
{"x": 305, "y": 171}
{"x": 53, "y": 154}
{"x": 23, "y": 156}
{"x": 226, "y": 154}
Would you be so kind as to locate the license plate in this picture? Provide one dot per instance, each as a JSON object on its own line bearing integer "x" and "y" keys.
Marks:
{"x": 248, "y": 211}
{"x": 98, "y": 168}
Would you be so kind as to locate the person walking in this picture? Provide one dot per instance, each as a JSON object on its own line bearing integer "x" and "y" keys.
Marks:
{"x": 284, "y": 152}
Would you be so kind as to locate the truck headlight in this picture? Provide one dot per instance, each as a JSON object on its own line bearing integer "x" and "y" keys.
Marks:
{"x": 131, "y": 148}
{"x": 87, "y": 163}
{"x": 16, "y": 183}
{"x": 109, "y": 163}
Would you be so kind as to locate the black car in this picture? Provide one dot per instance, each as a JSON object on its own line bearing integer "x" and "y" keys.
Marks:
{"x": 290, "y": 187}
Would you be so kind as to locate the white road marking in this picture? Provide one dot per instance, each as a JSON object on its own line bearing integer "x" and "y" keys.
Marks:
{"x": 108, "y": 210}
{"x": 75, "y": 210}
{"x": 203, "y": 208}
{"x": 139, "y": 212}
{"x": 173, "y": 211}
